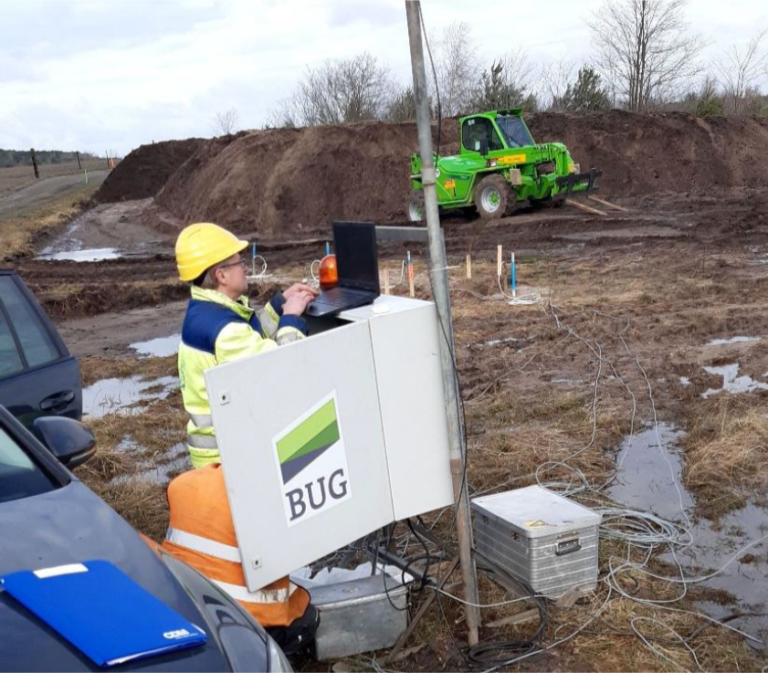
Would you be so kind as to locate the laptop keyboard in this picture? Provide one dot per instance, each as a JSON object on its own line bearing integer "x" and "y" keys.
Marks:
{"x": 337, "y": 298}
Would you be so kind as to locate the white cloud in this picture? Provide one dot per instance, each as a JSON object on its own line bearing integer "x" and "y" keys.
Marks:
{"x": 115, "y": 74}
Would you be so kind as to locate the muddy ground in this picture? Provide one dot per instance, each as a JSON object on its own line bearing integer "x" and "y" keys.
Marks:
{"x": 629, "y": 336}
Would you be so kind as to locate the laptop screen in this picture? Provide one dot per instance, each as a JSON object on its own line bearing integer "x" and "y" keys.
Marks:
{"x": 356, "y": 255}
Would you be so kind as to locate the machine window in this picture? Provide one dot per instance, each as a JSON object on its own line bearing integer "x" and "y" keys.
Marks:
{"x": 479, "y": 129}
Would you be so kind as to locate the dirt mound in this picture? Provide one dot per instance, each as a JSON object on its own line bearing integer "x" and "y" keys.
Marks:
{"x": 285, "y": 183}
{"x": 145, "y": 170}
{"x": 676, "y": 152}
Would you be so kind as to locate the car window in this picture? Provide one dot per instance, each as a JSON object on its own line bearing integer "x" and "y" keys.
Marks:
{"x": 20, "y": 477}
{"x": 37, "y": 345}
{"x": 10, "y": 360}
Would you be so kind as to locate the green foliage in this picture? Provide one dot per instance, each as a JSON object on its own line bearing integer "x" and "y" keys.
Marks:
{"x": 709, "y": 107}
{"x": 9, "y": 158}
{"x": 586, "y": 94}
{"x": 499, "y": 90}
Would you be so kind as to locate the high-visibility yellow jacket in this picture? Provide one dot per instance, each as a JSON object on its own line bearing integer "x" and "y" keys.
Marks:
{"x": 201, "y": 533}
{"x": 218, "y": 330}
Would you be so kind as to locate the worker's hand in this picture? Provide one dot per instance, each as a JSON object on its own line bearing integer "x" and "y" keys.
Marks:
{"x": 298, "y": 288}
{"x": 297, "y": 302}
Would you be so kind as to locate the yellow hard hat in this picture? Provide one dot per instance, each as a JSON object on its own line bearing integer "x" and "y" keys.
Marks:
{"x": 200, "y": 246}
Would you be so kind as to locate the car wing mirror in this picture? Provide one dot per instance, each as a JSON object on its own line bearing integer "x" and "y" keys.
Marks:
{"x": 69, "y": 440}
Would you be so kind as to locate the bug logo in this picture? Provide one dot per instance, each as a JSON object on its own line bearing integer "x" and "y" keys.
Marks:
{"x": 312, "y": 462}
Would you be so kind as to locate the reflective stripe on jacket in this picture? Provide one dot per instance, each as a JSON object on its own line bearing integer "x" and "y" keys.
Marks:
{"x": 217, "y": 330}
{"x": 201, "y": 533}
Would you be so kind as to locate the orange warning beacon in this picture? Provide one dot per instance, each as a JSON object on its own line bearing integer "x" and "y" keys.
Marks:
{"x": 329, "y": 273}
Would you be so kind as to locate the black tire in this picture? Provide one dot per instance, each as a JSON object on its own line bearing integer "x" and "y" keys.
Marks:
{"x": 415, "y": 207}
{"x": 494, "y": 197}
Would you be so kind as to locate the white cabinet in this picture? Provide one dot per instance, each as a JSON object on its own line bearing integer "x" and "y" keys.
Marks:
{"x": 327, "y": 439}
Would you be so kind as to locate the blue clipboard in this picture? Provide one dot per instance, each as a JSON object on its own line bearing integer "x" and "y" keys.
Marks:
{"x": 102, "y": 612}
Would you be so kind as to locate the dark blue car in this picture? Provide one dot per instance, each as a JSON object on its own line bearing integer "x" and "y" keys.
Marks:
{"x": 49, "y": 518}
{"x": 38, "y": 375}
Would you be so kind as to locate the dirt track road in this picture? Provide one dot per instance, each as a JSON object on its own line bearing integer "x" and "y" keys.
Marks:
{"x": 45, "y": 189}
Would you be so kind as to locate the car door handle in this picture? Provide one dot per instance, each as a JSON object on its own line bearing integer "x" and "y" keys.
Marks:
{"x": 57, "y": 400}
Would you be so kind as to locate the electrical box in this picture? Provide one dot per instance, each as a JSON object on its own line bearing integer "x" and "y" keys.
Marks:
{"x": 326, "y": 439}
{"x": 538, "y": 536}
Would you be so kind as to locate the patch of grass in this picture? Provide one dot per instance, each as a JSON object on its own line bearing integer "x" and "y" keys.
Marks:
{"x": 18, "y": 177}
{"x": 149, "y": 434}
{"x": 96, "y": 368}
{"x": 20, "y": 231}
{"x": 726, "y": 454}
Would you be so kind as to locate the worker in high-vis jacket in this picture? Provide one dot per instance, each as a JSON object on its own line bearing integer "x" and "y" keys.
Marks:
{"x": 220, "y": 326}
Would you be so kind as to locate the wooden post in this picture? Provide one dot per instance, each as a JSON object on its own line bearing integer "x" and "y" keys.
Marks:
{"x": 585, "y": 208}
{"x": 386, "y": 281}
{"x": 469, "y": 266}
{"x": 34, "y": 163}
{"x": 411, "y": 287}
{"x": 79, "y": 167}
{"x": 498, "y": 261}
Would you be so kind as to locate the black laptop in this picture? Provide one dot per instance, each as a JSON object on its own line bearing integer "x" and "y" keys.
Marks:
{"x": 358, "y": 265}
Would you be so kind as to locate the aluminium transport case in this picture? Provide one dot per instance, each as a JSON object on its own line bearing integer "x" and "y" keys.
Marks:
{"x": 539, "y": 537}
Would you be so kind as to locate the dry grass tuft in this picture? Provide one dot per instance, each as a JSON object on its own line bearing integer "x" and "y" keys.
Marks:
{"x": 727, "y": 454}
{"x": 95, "y": 369}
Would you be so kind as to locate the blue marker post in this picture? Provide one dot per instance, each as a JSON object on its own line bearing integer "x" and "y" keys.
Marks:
{"x": 512, "y": 279}
{"x": 327, "y": 248}
{"x": 253, "y": 258}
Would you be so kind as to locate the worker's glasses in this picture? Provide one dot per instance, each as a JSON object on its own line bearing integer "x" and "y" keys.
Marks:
{"x": 242, "y": 263}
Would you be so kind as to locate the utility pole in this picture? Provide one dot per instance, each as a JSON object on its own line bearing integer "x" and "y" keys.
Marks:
{"x": 443, "y": 304}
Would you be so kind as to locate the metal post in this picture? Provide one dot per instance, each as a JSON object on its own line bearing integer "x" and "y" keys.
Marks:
{"x": 443, "y": 303}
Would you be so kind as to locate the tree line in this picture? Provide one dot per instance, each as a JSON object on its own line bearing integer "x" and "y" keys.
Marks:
{"x": 10, "y": 158}
{"x": 644, "y": 57}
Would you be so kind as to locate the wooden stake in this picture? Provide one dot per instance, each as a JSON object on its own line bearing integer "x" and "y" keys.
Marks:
{"x": 608, "y": 204}
{"x": 498, "y": 261}
{"x": 469, "y": 267}
{"x": 585, "y": 208}
{"x": 411, "y": 287}
{"x": 34, "y": 163}
{"x": 398, "y": 646}
{"x": 386, "y": 281}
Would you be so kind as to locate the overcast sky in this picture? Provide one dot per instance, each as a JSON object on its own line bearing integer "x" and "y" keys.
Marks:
{"x": 112, "y": 75}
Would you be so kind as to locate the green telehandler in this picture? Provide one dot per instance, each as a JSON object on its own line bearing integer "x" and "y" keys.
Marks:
{"x": 499, "y": 165}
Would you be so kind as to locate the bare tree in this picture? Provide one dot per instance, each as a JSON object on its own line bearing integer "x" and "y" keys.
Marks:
{"x": 401, "y": 107}
{"x": 742, "y": 71}
{"x": 554, "y": 79}
{"x": 225, "y": 123}
{"x": 644, "y": 49}
{"x": 338, "y": 92}
{"x": 457, "y": 69}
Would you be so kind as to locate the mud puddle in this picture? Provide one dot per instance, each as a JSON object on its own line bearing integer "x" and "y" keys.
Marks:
{"x": 732, "y": 382}
{"x": 160, "y": 469}
{"x": 160, "y": 347}
{"x": 649, "y": 478}
{"x": 87, "y": 255}
{"x": 121, "y": 395}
